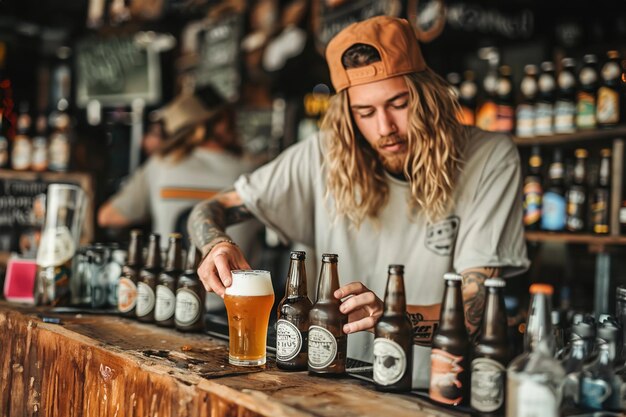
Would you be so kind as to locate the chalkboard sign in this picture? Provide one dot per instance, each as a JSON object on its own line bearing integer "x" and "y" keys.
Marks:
{"x": 21, "y": 219}
{"x": 116, "y": 72}
{"x": 219, "y": 56}
{"x": 255, "y": 127}
{"x": 331, "y": 16}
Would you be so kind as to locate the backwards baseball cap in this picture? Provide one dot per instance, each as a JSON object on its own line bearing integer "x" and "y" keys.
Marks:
{"x": 393, "y": 38}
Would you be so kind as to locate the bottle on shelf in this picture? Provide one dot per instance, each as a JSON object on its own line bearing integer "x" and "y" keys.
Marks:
{"x": 190, "y": 294}
{"x": 327, "y": 348}
{"x": 600, "y": 202}
{"x": 587, "y": 93}
{"x": 449, "y": 358}
{"x": 525, "y": 111}
{"x": 544, "y": 107}
{"x": 565, "y": 106}
{"x": 533, "y": 190}
{"x": 454, "y": 79}
{"x": 596, "y": 382}
{"x": 60, "y": 148}
{"x": 393, "y": 342}
{"x": 553, "y": 215}
{"x": 22, "y": 145}
{"x": 292, "y": 326}
{"x": 610, "y": 94}
{"x": 577, "y": 195}
{"x": 467, "y": 98}
{"x": 4, "y": 144}
{"x": 534, "y": 378}
{"x": 40, "y": 145}
{"x": 487, "y": 113}
{"x": 505, "y": 111}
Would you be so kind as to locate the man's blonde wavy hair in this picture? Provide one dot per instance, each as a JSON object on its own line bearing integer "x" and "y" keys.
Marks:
{"x": 355, "y": 176}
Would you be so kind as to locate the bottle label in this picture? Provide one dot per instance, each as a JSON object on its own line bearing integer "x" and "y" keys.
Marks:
{"x": 543, "y": 118}
{"x": 525, "y": 120}
{"x": 187, "y": 307}
{"x": 21, "y": 155}
{"x": 445, "y": 384}
{"x": 322, "y": 347}
{"x": 288, "y": 340}
{"x": 594, "y": 392}
{"x": 588, "y": 76}
{"x": 575, "y": 210}
{"x": 586, "y": 110}
{"x": 564, "y": 117}
{"x": 165, "y": 305}
{"x": 59, "y": 152}
{"x": 389, "y": 361}
{"x": 487, "y": 116}
{"x": 504, "y": 122}
{"x": 532, "y": 202}
{"x": 487, "y": 392}
{"x": 608, "y": 106}
{"x": 145, "y": 299}
{"x": 534, "y": 399}
{"x": 126, "y": 295}
{"x": 56, "y": 246}
{"x": 600, "y": 212}
{"x": 553, "y": 216}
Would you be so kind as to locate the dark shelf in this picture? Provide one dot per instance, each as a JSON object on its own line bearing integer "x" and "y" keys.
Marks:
{"x": 587, "y": 239}
{"x": 594, "y": 134}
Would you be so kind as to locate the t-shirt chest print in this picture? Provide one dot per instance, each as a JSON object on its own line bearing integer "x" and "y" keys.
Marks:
{"x": 441, "y": 236}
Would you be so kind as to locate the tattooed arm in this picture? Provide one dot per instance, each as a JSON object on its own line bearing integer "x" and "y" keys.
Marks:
{"x": 474, "y": 296}
{"x": 206, "y": 225}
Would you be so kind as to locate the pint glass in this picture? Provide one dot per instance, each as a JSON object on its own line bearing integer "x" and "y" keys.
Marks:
{"x": 248, "y": 302}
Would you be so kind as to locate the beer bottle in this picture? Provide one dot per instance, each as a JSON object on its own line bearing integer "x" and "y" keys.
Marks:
{"x": 600, "y": 202}
{"x": 525, "y": 112}
{"x": 449, "y": 369}
{"x": 565, "y": 106}
{"x": 587, "y": 94}
{"x": 533, "y": 190}
{"x": 454, "y": 79}
{"x": 4, "y": 142}
{"x": 491, "y": 354}
{"x": 596, "y": 382}
{"x": 127, "y": 286}
{"x": 21, "y": 154}
{"x": 393, "y": 343}
{"x": 577, "y": 195}
{"x": 504, "y": 101}
{"x": 544, "y": 108}
{"x": 165, "y": 305}
{"x": 487, "y": 114}
{"x": 327, "y": 341}
{"x": 467, "y": 99}
{"x": 610, "y": 92}
{"x": 40, "y": 145}
{"x": 292, "y": 327}
{"x": 554, "y": 210}
{"x": 148, "y": 280}
{"x": 190, "y": 294}
{"x": 534, "y": 378}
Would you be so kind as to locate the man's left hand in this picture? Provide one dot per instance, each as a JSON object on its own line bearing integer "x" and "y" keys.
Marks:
{"x": 361, "y": 305}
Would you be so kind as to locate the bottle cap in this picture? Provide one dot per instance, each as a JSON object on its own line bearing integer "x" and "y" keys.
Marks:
{"x": 541, "y": 289}
{"x": 298, "y": 254}
{"x": 330, "y": 257}
{"x": 396, "y": 269}
{"x": 452, "y": 276}
{"x": 495, "y": 282}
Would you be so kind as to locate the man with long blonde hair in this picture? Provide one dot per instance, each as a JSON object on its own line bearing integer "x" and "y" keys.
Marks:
{"x": 393, "y": 177}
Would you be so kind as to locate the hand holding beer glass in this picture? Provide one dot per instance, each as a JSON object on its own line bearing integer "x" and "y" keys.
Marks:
{"x": 248, "y": 301}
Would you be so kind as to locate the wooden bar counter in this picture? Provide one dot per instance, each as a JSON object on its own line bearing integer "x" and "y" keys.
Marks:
{"x": 103, "y": 365}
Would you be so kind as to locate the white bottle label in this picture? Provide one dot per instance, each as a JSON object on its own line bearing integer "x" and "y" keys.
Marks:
{"x": 187, "y": 307}
{"x": 487, "y": 392}
{"x": 322, "y": 347}
{"x": 536, "y": 400}
{"x": 145, "y": 299}
{"x": 165, "y": 303}
{"x": 288, "y": 340}
{"x": 126, "y": 295}
{"x": 389, "y": 361}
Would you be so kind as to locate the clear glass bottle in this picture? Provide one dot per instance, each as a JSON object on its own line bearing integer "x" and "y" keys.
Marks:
{"x": 534, "y": 378}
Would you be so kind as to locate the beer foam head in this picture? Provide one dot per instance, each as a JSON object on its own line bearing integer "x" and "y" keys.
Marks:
{"x": 250, "y": 283}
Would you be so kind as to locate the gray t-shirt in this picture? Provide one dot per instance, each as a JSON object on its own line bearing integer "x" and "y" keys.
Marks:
{"x": 162, "y": 189}
{"x": 483, "y": 230}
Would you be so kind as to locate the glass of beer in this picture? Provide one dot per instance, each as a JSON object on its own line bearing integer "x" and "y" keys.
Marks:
{"x": 248, "y": 302}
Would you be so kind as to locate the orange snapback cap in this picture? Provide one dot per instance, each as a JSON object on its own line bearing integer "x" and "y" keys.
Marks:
{"x": 393, "y": 38}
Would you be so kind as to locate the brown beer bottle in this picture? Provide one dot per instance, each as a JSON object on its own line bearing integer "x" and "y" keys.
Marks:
{"x": 393, "y": 343}
{"x": 491, "y": 354}
{"x": 190, "y": 294}
{"x": 165, "y": 305}
{"x": 148, "y": 279}
{"x": 292, "y": 327}
{"x": 327, "y": 341}
{"x": 449, "y": 359}
{"x": 127, "y": 285}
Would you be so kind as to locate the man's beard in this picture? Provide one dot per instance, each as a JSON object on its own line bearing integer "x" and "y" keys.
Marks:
{"x": 392, "y": 162}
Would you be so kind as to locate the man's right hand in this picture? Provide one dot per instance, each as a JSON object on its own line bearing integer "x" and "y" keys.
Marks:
{"x": 214, "y": 271}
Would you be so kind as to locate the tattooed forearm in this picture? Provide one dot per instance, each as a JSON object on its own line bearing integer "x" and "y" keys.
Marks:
{"x": 474, "y": 295}
{"x": 209, "y": 219}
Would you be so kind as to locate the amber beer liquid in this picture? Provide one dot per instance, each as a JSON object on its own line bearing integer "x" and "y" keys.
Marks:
{"x": 248, "y": 301}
